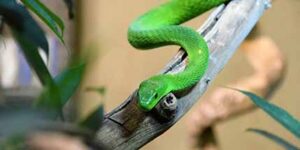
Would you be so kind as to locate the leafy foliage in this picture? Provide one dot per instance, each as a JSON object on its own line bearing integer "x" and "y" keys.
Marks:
{"x": 280, "y": 115}
{"x": 94, "y": 119}
{"x": 52, "y": 20}
{"x": 57, "y": 91}
{"x": 19, "y": 19}
{"x": 64, "y": 87}
{"x": 277, "y": 113}
{"x": 30, "y": 50}
{"x": 69, "y": 80}
{"x": 285, "y": 144}
{"x": 30, "y": 36}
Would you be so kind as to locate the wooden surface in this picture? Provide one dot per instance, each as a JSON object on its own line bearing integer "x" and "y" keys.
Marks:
{"x": 127, "y": 127}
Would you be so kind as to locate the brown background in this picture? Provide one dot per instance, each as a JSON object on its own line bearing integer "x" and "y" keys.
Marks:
{"x": 120, "y": 68}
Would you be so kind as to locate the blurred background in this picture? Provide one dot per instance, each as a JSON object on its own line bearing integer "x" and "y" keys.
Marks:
{"x": 120, "y": 68}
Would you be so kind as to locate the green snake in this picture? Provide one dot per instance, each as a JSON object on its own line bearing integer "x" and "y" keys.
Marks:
{"x": 159, "y": 27}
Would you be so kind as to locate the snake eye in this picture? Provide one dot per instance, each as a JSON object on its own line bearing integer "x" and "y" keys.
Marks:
{"x": 156, "y": 96}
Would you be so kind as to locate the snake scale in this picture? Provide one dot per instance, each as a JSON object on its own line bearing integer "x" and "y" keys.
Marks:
{"x": 160, "y": 27}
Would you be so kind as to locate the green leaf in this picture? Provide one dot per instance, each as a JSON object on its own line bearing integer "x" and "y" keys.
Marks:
{"x": 285, "y": 144}
{"x": 94, "y": 119}
{"x": 52, "y": 20}
{"x": 33, "y": 57}
{"x": 65, "y": 86}
{"x": 19, "y": 19}
{"x": 68, "y": 81}
{"x": 29, "y": 37}
{"x": 50, "y": 99}
{"x": 277, "y": 113}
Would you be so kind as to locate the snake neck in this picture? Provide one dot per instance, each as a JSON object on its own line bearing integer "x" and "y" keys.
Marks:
{"x": 159, "y": 27}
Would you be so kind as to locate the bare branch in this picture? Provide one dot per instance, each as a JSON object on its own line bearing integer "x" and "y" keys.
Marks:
{"x": 127, "y": 127}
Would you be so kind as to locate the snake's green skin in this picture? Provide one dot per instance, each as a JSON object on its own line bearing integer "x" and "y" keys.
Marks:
{"x": 160, "y": 27}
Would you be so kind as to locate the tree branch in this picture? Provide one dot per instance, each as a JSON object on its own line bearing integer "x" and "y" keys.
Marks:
{"x": 127, "y": 127}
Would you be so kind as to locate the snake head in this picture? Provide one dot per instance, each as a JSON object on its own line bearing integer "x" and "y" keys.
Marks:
{"x": 150, "y": 92}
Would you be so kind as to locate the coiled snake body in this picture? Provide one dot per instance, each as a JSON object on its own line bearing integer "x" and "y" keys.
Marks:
{"x": 160, "y": 27}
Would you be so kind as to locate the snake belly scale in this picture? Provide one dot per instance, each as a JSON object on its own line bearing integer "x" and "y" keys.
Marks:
{"x": 160, "y": 27}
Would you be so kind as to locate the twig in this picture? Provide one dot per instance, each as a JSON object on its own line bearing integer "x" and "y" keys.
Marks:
{"x": 127, "y": 127}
